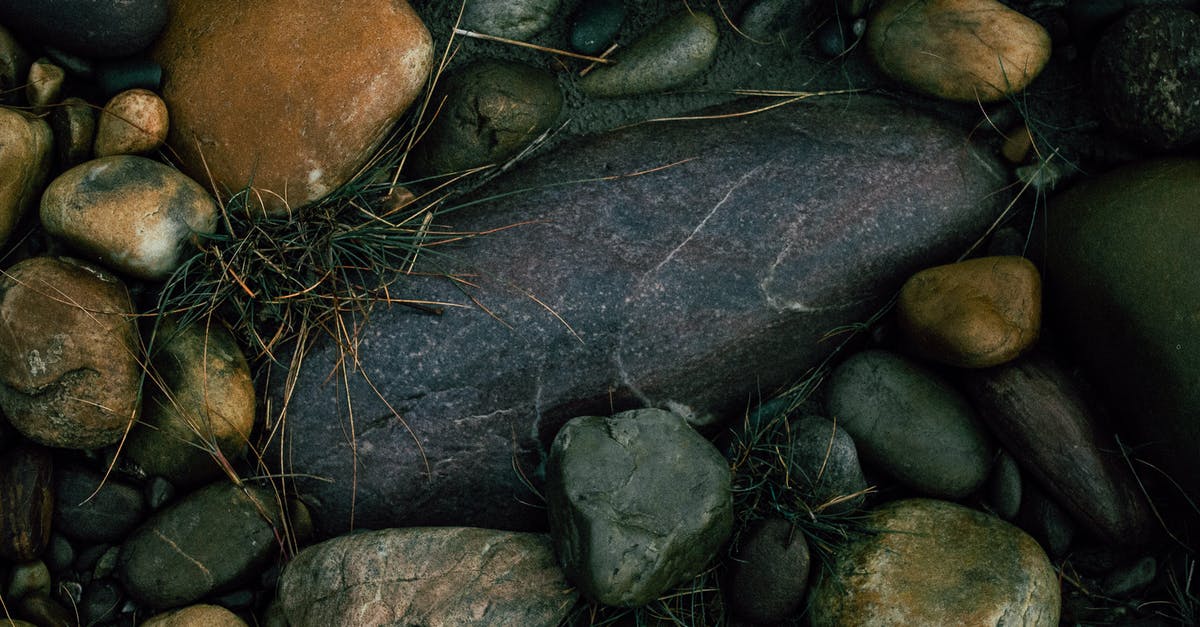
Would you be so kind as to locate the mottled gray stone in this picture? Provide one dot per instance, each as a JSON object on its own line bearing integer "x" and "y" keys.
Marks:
{"x": 436, "y": 577}
{"x": 514, "y": 19}
{"x": 826, "y": 461}
{"x": 638, "y": 503}
{"x": 702, "y": 284}
{"x": 83, "y": 512}
{"x": 910, "y": 422}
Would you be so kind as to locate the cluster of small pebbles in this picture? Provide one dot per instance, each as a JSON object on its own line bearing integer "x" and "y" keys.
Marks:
{"x": 963, "y": 431}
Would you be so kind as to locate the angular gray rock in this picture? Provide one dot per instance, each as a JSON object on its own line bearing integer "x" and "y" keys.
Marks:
{"x": 435, "y": 576}
{"x": 638, "y": 503}
{"x": 701, "y": 283}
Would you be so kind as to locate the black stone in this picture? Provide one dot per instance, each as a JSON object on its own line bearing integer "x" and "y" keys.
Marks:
{"x": 595, "y": 25}
{"x": 770, "y": 573}
{"x": 700, "y": 284}
{"x": 92, "y": 28}
{"x": 101, "y": 601}
{"x": 83, "y": 513}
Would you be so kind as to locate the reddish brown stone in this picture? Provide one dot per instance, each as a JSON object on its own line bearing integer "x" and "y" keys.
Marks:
{"x": 292, "y": 94}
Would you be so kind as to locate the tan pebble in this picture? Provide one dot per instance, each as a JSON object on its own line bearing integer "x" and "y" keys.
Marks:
{"x": 133, "y": 122}
{"x": 973, "y": 314}
{"x": 45, "y": 84}
{"x": 964, "y": 50}
{"x": 1017, "y": 144}
{"x": 25, "y": 161}
{"x": 196, "y": 616}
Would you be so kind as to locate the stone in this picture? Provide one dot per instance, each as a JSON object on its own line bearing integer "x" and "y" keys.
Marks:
{"x": 825, "y": 460}
{"x": 102, "y": 599}
{"x": 133, "y": 122}
{"x": 215, "y": 537}
{"x": 1131, "y": 579}
{"x": 45, "y": 84}
{"x": 1004, "y": 487}
{"x": 59, "y": 554}
{"x": 107, "y": 563}
{"x": 492, "y": 109}
{"x": 964, "y": 50}
{"x": 26, "y": 502}
{"x": 937, "y": 563}
{"x": 1040, "y": 414}
{"x": 1146, "y": 72}
{"x": 14, "y": 67}
{"x": 132, "y": 214}
{"x": 43, "y": 611}
{"x": 704, "y": 297}
{"x": 200, "y": 404}
{"x": 159, "y": 492}
{"x": 293, "y": 134}
{"x": 638, "y": 502}
{"x": 769, "y": 580}
{"x": 25, "y": 160}
{"x": 86, "y": 27}
{"x": 85, "y": 510}
{"x": 1119, "y": 278}
{"x": 69, "y": 372}
{"x": 74, "y": 126}
{"x": 836, "y": 38}
{"x": 202, "y": 615}
{"x": 27, "y": 578}
{"x": 911, "y": 423}
{"x": 595, "y": 25}
{"x": 774, "y": 21}
{"x": 512, "y": 19}
{"x": 672, "y": 53}
{"x": 1045, "y": 520}
{"x": 434, "y": 576}
{"x": 972, "y": 314}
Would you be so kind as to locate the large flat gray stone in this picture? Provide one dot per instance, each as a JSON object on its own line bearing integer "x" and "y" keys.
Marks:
{"x": 699, "y": 287}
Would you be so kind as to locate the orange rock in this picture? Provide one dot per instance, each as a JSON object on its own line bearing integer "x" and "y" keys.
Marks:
{"x": 973, "y": 314}
{"x": 292, "y": 95}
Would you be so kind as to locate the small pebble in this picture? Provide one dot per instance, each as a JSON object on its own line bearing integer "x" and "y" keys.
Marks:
{"x": 14, "y": 67}
{"x": 1127, "y": 581}
{"x": 74, "y": 125}
{"x": 1017, "y": 144}
{"x": 673, "y": 52}
{"x": 513, "y": 19}
{"x": 107, "y": 563}
{"x": 45, "y": 84}
{"x": 133, "y": 122}
{"x": 59, "y": 553}
{"x": 45, "y": 612}
{"x": 27, "y": 578}
{"x": 159, "y": 492}
{"x": 595, "y": 25}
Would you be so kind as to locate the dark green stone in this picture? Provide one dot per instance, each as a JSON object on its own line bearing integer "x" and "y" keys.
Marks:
{"x": 595, "y": 25}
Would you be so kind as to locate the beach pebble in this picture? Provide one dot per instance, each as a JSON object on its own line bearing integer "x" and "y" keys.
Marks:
{"x": 770, "y": 572}
{"x": 45, "y": 84}
{"x": 595, "y": 25}
{"x": 203, "y": 615}
{"x": 74, "y": 125}
{"x": 672, "y": 53}
{"x": 133, "y": 122}
{"x": 26, "y": 155}
{"x": 512, "y": 19}
{"x": 965, "y": 50}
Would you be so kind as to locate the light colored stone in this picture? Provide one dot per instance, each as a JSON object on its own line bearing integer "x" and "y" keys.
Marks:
{"x": 965, "y": 50}
{"x": 431, "y": 576}
{"x": 25, "y": 159}
{"x": 292, "y": 95}
{"x": 69, "y": 371}
{"x": 196, "y": 616}
{"x": 45, "y": 84}
{"x": 973, "y": 314}
{"x": 937, "y": 563}
{"x": 201, "y": 401}
{"x": 514, "y": 19}
{"x": 133, "y": 122}
{"x": 130, "y": 213}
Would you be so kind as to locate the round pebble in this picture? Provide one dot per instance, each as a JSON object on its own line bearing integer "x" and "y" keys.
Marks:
{"x": 133, "y": 122}
{"x": 770, "y": 572}
{"x": 674, "y": 51}
{"x": 595, "y": 25}
{"x": 45, "y": 84}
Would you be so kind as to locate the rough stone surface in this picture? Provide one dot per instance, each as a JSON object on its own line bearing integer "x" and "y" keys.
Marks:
{"x": 699, "y": 294}
{"x": 492, "y": 109}
{"x": 1146, "y": 70}
{"x": 910, "y": 422}
{"x": 81, "y": 512}
{"x": 434, "y": 576}
{"x": 638, "y": 503}
{"x": 824, "y": 457}
{"x": 1040, "y": 414}
{"x": 132, "y": 214}
{"x": 88, "y": 27}
{"x": 937, "y": 563}
{"x": 201, "y": 401}
{"x": 973, "y": 314}
{"x": 133, "y": 122}
{"x": 45, "y": 85}
{"x": 26, "y": 502}
{"x": 197, "y": 616}
{"x": 964, "y": 50}
{"x": 69, "y": 371}
{"x": 213, "y": 538}
{"x": 514, "y": 19}
{"x": 1120, "y": 276}
{"x": 352, "y": 68}
{"x": 670, "y": 54}
{"x": 770, "y": 573}
{"x": 25, "y": 158}
{"x": 595, "y": 24}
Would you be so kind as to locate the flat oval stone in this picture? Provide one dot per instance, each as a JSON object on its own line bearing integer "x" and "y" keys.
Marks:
{"x": 132, "y": 214}
{"x": 290, "y": 132}
{"x": 937, "y": 563}
{"x": 427, "y": 576}
{"x": 671, "y": 53}
{"x": 216, "y": 536}
{"x": 910, "y": 422}
{"x": 88, "y": 511}
{"x": 595, "y": 24}
{"x": 69, "y": 372}
{"x": 972, "y": 314}
{"x": 964, "y": 50}
{"x": 87, "y": 27}
{"x": 26, "y": 154}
